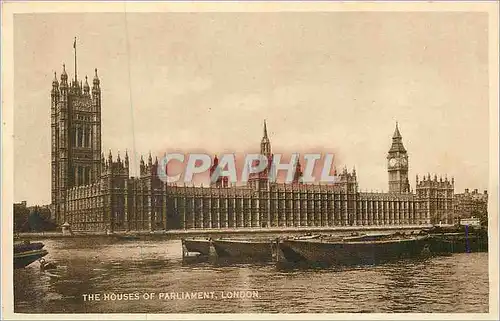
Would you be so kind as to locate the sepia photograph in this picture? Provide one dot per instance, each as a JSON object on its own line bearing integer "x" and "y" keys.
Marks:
{"x": 265, "y": 159}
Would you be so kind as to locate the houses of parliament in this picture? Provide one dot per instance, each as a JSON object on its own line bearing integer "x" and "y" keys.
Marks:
{"x": 92, "y": 192}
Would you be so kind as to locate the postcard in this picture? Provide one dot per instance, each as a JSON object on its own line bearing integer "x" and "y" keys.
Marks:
{"x": 271, "y": 160}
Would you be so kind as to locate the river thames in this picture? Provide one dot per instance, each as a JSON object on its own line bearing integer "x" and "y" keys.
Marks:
{"x": 104, "y": 275}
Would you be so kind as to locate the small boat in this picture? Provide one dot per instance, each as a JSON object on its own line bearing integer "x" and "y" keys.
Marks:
{"x": 26, "y": 253}
{"x": 201, "y": 246}
{"x": 27, "y": 246}
{"x": 353, "y": 251}
{"x": 255, "y": 249}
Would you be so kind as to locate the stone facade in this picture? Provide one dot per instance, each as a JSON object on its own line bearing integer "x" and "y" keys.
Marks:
{"x": 470, "y": 204}
{"x": 436, "y": 198}
{"x": 76, "y": 138}
{"x": 92, "y": 193}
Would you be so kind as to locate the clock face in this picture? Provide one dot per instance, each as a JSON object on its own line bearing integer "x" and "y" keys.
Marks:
{"x": 393, "y": 162}
{"x": 404, "y": 161}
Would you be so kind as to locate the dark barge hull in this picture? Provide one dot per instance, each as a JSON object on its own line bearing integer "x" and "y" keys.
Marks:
{"x": 200, "y": 246}
{"x": 325, "y": 252}
{"x": 28, "y": 246}
{"x": 446, "y": 244}
{"x": 244, "y": 249}
{"x": 23, "y": 259}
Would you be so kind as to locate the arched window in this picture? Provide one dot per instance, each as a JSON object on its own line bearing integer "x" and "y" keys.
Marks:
{"x": 80, "y": 175}
{"x": 72, "y": 175}
{"x": 80, "y": 137}
{"x": 87, "y": 137}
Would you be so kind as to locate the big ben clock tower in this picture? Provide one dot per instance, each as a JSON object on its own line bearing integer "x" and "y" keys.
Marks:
{"x": 397, "y": 165}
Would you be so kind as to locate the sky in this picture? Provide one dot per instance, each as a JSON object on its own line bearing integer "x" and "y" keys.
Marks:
{"x": 324, "y": 81}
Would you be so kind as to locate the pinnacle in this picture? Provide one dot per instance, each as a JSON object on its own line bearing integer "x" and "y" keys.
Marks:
{"x": 397, "y": 134}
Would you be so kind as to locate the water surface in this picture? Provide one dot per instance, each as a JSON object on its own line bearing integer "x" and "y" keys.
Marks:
{"x": 457, "y": 283}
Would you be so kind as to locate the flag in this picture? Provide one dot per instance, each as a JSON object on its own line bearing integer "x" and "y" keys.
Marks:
{"x": 74, "y": 44}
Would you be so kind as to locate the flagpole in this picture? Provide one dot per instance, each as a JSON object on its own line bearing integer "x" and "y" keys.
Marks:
{"x": 74, "y": 47}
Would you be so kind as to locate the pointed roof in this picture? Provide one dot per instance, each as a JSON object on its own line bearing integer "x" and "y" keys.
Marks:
{"x": 96, "y": 80}
{"x": 64, "y": 70}
{"x": 126, "y": 158}
{"x": 397, "y": 142}
{"x": 64, "y": 76}
{"x": 397, "y": 134}
{"x": 86, "y": 86}
{"x": 55, "y": 82}
{"x": 265, "y": 138}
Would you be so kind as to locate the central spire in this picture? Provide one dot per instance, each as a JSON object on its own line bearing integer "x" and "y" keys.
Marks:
{"x": 265, "y": 144}
{"x": 265, "y": 129}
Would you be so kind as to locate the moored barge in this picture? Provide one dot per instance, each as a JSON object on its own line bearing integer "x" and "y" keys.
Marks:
{"x": 335, "y": 251}
{"x": 447, "y": 243}
{"x": 201, "y": 246}
{"x": 256, "y": 249}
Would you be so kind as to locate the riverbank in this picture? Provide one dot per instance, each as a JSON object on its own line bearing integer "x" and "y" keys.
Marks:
{"x": 223, "y": 232}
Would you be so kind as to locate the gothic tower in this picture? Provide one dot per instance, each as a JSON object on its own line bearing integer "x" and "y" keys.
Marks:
{"x": 265, "y": 150}
{"x": 265, "y": 144}
{"x": 260, "y": 180}
{"x": 397, "y": 165}
{"x": 76, "y": 136}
